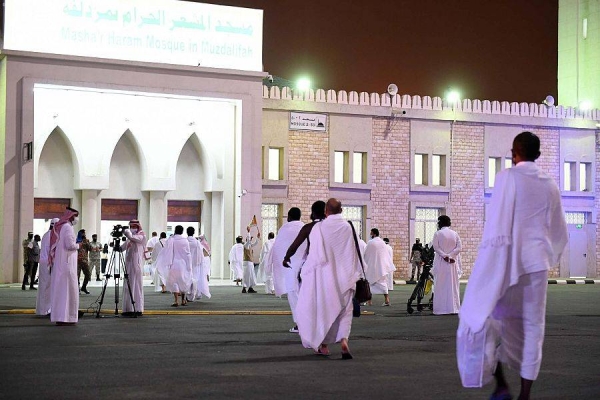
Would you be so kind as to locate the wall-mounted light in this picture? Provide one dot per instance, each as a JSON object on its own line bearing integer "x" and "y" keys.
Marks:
{"x": 28, "y": 151}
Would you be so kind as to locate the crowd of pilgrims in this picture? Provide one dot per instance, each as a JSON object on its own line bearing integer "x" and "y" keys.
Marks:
{"x": 319, "y": 266}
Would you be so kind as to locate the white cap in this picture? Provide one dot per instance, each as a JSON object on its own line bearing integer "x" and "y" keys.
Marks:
{"x": 54, "y": 220}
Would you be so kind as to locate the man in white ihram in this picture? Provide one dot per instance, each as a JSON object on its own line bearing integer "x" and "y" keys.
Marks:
{"x": 329, "y": 276}
{"x": 265, "y": 272}
{"x": 524, "y": 235}
{"x": 285, "y": 278}
{"x": 44, "y": 294}
{"x": 378, "y": 265}
{"x": 134, "y": 249}
{"x": 446, "y": 268}
{"x": 175, "y": 264}
{"x": 63, "y": 270}
{"x": 196, "y": 255}
{"x": 203, "y": 288}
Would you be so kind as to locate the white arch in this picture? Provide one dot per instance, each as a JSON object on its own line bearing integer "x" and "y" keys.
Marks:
{"x": 39, "y": 149}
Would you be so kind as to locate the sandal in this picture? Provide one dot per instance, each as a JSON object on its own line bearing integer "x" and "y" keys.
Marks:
{"x": 174, "y": 305}
{"x": 320, "y": 352}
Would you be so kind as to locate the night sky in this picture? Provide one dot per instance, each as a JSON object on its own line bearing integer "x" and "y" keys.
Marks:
{"x": 486, "y": 49}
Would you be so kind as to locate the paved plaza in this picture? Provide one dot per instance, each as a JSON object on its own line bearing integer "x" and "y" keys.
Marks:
{"x": 240, "y": 356}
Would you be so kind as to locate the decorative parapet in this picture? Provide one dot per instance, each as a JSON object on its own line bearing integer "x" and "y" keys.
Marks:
{"x": 406, "y": 101}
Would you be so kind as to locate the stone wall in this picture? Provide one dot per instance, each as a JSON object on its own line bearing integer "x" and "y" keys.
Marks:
{"x": 391, "y": 186}
{"x": 308, "y": 176}
{"x": 549, "y": 162}
{"x": 467, "y": 188}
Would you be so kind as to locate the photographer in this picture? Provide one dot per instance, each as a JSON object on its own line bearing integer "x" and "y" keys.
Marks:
{"x": 134, "y": 249}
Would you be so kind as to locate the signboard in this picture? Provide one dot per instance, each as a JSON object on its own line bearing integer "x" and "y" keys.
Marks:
{"x": 308, "y": 122}
{"x": 158, "y": 31}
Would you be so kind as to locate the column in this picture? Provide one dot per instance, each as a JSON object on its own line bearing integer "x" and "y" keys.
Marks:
{"x": 90, "y": 213}
{"x": 157, "y": 211}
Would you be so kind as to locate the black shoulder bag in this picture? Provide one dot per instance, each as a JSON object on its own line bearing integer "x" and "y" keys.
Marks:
{"x": 363, "y": 289}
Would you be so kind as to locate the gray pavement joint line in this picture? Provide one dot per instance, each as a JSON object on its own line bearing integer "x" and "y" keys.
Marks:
{"x": 172, "y": 312}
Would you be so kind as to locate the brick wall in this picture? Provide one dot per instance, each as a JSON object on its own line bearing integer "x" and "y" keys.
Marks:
{"x": 308, "y": 166}
{"x": 549, "y": 162}
{"x": 390, "y": 186}
{"x": 467, "y": 185}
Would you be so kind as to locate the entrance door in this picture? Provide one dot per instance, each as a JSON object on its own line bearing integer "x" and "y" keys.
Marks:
{"x": 578, "y": 254}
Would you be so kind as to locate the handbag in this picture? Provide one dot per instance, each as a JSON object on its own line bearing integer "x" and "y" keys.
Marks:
{"x": 363, "y": 288}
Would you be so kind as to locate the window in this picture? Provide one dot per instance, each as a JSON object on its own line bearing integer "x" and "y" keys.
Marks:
{"x": 585, "y": 177}
{"x": 341, "y": 166}
{"x": 275, "y": 164}
{"x": 568, "y": 176}
{"x": 507, "y": 163}
{"x": 271, "y": 215}
{"x": 576, "y": 218}
{"x": 438, "y": 173}
{"x": 426, "y": 223}
{"x": 355, "y": 215}
{"x": 421, "y": 169}
{"x": 493, "y": 168}
{"x": 359, "y": 167}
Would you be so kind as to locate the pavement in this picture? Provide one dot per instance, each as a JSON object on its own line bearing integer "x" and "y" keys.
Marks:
{"x": 241, "y": 356}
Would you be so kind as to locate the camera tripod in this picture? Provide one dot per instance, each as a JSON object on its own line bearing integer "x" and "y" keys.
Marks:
{"x": 116, "y": 264}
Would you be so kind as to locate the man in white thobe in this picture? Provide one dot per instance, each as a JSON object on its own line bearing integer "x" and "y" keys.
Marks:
{"x": 329, "y": 276}
{"x": 446, "y": 268}
{"x": 524, "y": 235}
{"x": 134, "y": 247}
{"x": 159, "y": 280}
{"x": 149, "y": 248}
{"x": 378, "y": 265}
{"x": 175, "y": 264}
{"x": 236, "y": 260}
{"x": 249, "y": 276}
{"x": 285, "y": 278}
{"x": 43, "y": 300}
{"x": 63, "y": 270}
{"x": 265, "y": 272}
{"x": 204, "y": 290}
{"x": 196, "y": 255}
{"x": 390, "y": 277}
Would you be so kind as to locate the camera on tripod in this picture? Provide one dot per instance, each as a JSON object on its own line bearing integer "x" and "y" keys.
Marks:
{"x": 117, "y": 235}
{"x": 118, "y": 230}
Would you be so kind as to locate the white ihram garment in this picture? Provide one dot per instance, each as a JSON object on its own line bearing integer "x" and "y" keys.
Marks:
{"x": 265, "y": 270}
{"x": 175, "y": 263}
{"x": 446, "y": 300}
{"x": 159, "y": 280}
{"x": 64, "y": 287}
{"x": 286, "y": 279}
{"x": 524, "y": 235}
{"x": 236, "y": 260}
{"x": 378, "y": 265}
{"x": 197, "y": 259}
{"x": 134, "y": 249}
{"x": 44, "y": 300}
{"x": 329, "y": 276}
{"x": 203, "y": 287}
{"x": 249, "y": 276}
{"x": 390, "y": 276}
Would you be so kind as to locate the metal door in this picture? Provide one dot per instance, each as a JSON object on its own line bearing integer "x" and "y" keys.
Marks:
{"x": 578, "y": 245}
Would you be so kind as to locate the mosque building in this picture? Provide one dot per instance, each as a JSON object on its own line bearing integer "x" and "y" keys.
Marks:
{"x": 122, "y": 111}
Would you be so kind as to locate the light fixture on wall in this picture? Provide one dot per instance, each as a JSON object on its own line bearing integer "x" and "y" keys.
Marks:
{"x": 192, "y": 123}
{"x": 27, "y": 151}
{"x": 244, "y": 192}
{"x": 55, "y": 115}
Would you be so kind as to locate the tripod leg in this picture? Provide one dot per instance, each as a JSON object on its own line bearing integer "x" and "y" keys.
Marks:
{"x": 106, "y": 276}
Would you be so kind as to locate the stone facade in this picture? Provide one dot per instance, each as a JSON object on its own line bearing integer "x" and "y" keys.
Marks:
{"x": 467, "y": 192}
{"x": 308, "y": 177}
{"x": 391, "y": 186}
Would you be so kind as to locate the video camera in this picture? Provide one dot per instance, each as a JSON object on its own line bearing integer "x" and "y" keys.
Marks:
{"x": 118, "y": 230}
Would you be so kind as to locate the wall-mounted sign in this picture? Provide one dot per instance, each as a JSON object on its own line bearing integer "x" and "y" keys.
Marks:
{"x": 158, "y": 31}
{"x": 308, "y": 122}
